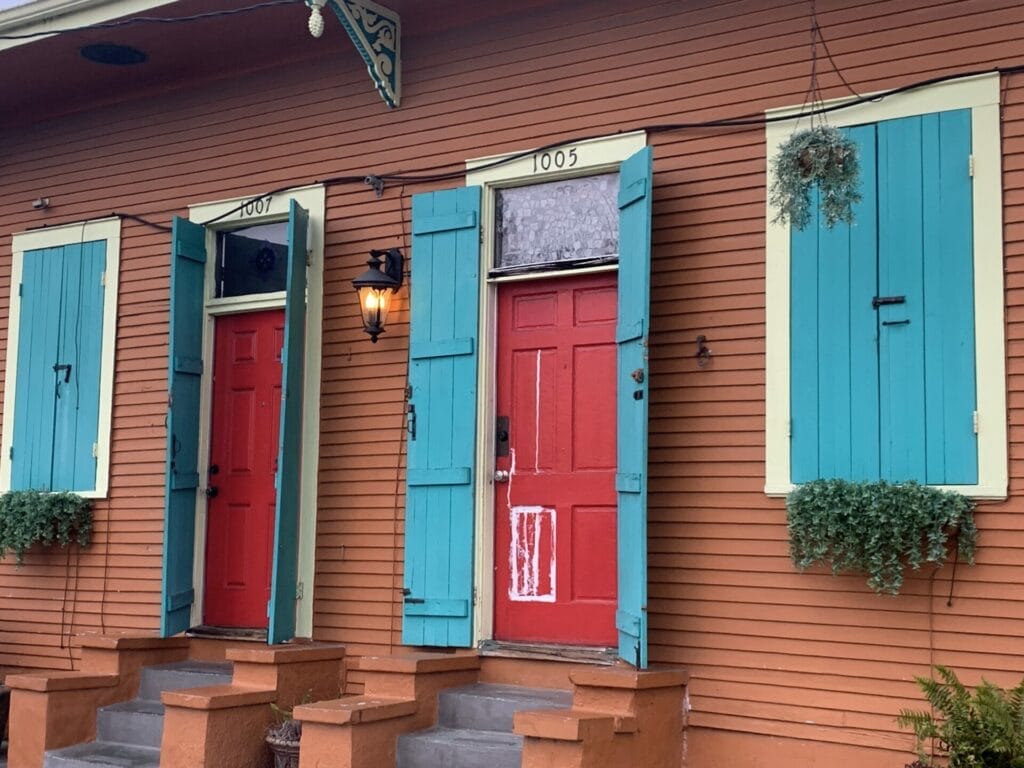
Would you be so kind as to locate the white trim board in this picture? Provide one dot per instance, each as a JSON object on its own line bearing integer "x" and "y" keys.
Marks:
{"x": 313, "y": 199}
{"x": 45, "y": 16}
{"x": 591, "y": 157}
{"x": 108, "y": 229}
{"x": 980, "y": 94}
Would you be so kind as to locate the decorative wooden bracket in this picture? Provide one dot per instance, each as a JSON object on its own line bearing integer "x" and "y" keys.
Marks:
{"x": 376, "y": 33}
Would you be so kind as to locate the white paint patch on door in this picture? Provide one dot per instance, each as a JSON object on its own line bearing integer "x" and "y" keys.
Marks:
{"x": 531, "y": 556}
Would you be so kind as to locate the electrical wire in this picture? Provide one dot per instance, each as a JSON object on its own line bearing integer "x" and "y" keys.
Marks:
{"x": 150, "y": 20}
{"x": 427, "y": 175}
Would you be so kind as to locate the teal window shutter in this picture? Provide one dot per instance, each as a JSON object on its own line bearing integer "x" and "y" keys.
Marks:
{"x": 185, "y": 369}
{"x": 888, "y": 391}
{"x": 631, "y": 335}
{"x": 443, "y": 353}
{"x": 834, "y": 339}
{"x": 56, "y": 411}
{"x": 286, "y": 519}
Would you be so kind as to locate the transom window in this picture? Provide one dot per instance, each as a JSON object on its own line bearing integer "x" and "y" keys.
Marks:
{"x": 557, "y": 224}
{"x": 252, "y": 260}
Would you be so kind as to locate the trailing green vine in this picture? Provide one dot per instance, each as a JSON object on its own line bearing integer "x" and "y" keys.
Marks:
{"x": 878, "y": 528}
{"x": 37, "y": 517}
{"x": 983, "y": 729}
{"x": 820, "y": 156}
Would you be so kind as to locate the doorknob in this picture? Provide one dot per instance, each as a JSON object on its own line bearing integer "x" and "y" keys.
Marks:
{"x": 212, "y": 491}
{"x": 501, "y": 475}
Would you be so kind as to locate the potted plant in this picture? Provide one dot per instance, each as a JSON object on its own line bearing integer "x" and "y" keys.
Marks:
{"x": 283, "y": 738}
{"x": 879, "y": 528}
{"x": 39, "y": 517}
{"x": 823, "y": 157}
{"x": 979, "y": 729}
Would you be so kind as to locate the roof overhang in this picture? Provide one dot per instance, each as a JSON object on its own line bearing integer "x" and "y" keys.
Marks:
{"x": 42, "y": 16}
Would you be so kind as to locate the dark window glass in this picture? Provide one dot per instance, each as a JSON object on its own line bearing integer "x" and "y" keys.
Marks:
{"x": 557, "y": 224}
{"x": 252, "y": 260}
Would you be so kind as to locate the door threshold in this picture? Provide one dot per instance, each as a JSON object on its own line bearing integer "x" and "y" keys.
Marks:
{"x": 581, "y": 654}
{"x": 252, "y": 635}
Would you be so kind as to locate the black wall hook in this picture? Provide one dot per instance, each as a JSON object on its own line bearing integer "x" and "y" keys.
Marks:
{"x": 703, "y": 354}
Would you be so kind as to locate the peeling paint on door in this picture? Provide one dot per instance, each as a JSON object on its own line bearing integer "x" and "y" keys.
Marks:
{"x": 532, "y": 554}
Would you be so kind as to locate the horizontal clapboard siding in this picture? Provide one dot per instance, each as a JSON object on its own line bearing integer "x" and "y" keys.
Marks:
{"x": 770, "y": 651}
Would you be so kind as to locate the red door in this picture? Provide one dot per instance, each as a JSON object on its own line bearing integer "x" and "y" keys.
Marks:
{"x": 555, "y": 516}
{"x": 243, "y": 462}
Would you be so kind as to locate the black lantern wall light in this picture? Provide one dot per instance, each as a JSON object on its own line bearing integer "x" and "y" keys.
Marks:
{"x": 376, "y": 287}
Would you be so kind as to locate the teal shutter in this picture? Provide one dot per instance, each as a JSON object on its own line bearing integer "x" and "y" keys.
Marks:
{"x": 77, "y": 407}
{"x": 833, "y": 339}
{"x": 286, "y": 519}
{"x": 926, "y": 345}
{"x": 56, "y": 411}
{"x": 889, "y": 392}
{"x": 185, "y": 369}
{"x": 631, "y": 336}
{"x": 442, "y": 420}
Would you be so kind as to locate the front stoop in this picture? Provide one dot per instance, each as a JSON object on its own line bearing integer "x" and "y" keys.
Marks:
{"x": 186, "y": 714}
{"x": 475, "y": 727}
{"x": 128, "y": 733}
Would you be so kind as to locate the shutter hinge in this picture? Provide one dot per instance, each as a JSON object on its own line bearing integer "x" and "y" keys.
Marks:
{"x": 20, "y": 286}
{"x": 474, "y": 595}
{"x": 481, "y": 235}
{"x": 298, "y": 590}
{"x": 95, "y": 450}
{"x": 10, "y": 453}
{"x": 970, "y": 166}
{"x": 103, "y": 278}
{"x": 789, "y": 428}
{"x": 975, "y": 419}
{"x": 309, "y": 258}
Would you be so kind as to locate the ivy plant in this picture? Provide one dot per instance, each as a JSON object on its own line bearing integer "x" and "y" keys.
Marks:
{"x": 822, "y": 157}
{"x": 877, "y": 527}
{"x": 37, "y": 517}
{"x": 983, "y": 729}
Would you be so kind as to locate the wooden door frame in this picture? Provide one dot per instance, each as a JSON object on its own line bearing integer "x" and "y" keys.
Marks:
{"x": 601, "y": 155}
{"x": 274, "y": 209}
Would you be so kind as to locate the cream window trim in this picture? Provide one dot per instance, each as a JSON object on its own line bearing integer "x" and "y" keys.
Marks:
{"x": 269, "y": 209}
{"x": 583, "y": 158}
{"x": 108, "y": 229}
{"x": 981, "y": 95}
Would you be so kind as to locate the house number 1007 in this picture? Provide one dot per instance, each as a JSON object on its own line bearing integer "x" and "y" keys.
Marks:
{"x": 560, "y": 158}
{"x": 255, "y": 207}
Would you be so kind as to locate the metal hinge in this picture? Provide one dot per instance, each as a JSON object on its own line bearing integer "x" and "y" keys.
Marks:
{"x": 103, "y": 278}
{"x": 789, "y": 428}
{"x": 95, "y": 450}
{"x": 20, "y": 286}
{"x": 10, "y": 453}
{"x": 975, "y": 419}
{"x": 970, "y": 166}
{"x": 309, "y": 258}
{"x": 298, "y": 590}
{"x": 474, "y": 595}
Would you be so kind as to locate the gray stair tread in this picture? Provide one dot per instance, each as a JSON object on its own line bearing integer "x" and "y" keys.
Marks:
{"x": 487, "y": 707}
{"x": 531, "y": 698}
{"x": 467, "y": 737}
{"x": 459, "y": 748}
{"x": 140, "y": 706}
{"x": 196, "y": 667}
{"x": 182, "y": 674}
{"x": 103, "y": 753}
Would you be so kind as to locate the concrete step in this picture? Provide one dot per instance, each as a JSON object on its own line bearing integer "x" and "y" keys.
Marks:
{"x": 459, "y": 748}
{"x": 485, "y": 707}
{"x": 102, "y": 754}
{"x": 182, "y": 674}
{"x": 139, "y": 722}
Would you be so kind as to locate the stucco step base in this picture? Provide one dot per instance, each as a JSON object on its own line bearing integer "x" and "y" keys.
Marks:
{"x": 138, "y": 721}
{"x": 103, "y": 754}
{"x": 459, "y": 748}
{"x": 486, "y": 707}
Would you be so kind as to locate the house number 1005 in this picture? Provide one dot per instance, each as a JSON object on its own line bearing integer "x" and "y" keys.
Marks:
{"x": 560, "y": 158}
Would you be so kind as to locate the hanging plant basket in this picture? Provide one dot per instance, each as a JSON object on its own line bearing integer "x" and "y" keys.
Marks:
{"x": 28, "y": 518}
{"x": 820, "y": 156}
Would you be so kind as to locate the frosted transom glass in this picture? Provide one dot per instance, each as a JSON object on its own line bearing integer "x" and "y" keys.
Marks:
{"x": 571, "y": 222}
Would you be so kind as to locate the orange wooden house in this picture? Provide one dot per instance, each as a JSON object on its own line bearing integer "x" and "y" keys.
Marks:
{"x": 561, "y": 465}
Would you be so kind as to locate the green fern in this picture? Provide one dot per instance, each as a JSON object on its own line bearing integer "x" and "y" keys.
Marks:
{"x": 983, "y": 729}
{"x": 37, "y": 517}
